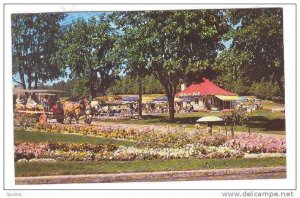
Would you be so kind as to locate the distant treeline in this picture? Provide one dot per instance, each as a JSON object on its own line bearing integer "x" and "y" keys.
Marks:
{"x": 125, "y": 85}
{"x": 169, "y": 46}
{"x": 128, "y": 85}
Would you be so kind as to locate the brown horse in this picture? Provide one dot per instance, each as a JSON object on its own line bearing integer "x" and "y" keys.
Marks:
{"x": 74, "y": 109}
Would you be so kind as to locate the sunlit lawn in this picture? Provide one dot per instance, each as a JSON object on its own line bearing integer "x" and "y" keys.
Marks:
{"x": 30, "y": 136}
{"x": 262, "y": 121}
{"x": 74, "y": 168}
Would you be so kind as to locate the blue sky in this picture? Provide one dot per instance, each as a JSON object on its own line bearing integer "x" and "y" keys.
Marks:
{"x": 73, "y": 16}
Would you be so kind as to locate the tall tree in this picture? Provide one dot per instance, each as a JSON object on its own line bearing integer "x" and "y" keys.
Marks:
{"x": 257, "y": 44}
{"x": 230, "y": 73}
{"x": 33, "y": 46}
{"x": 129, "y": 85}
{"x": 180, "y": 45}
{"x": 134, "y": 50}
{"x": 89, "y": 49}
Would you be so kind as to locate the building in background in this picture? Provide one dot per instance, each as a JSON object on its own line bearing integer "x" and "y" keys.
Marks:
{"x": 207, "y": 95}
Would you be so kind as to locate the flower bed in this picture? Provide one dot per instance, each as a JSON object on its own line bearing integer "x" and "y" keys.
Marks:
{"x": 207, "y": 147}
{"x": 146, "y": 137}
{"x": 256, "y": 143}
{"x": 115, "y": 118}
{"x": 30, "y": 150}
{"x": 44, "y": 150}
{"x": 151, "y": 145}
{"x": 85, "y": 152}
{"x": 180, "y": 139}
{"x": 82, "y": 147}
{"x": 103, "y": 131}
{"x": 198, "y": 151}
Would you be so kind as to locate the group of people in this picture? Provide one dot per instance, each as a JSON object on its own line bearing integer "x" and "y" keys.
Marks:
{"x": 152, "y": 108}
{"x": 251, "y": 107}
{"x": 115, "y": 109}
{"x": 30, "y": 101}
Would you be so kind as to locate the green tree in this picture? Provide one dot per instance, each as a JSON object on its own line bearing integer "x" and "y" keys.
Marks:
{"x": 33, "y": 46}
{"x": 257, "y": 47}
{"x": 236, "y": 117}
{"x": 134, "y": 50}
{"x": 265, "y": 90}
{"x": 152, "y": 85}
{"x": 231, "y": 75}
{"x": 180, "y": 45}
{"x": 80, "y": 87}
{"x": 129, "y": 85}
{"x": 62, "y": 86}
{"x": 90, "y": 50}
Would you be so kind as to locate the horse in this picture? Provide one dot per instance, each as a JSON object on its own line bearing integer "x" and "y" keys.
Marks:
{"x": 74, "y": 109}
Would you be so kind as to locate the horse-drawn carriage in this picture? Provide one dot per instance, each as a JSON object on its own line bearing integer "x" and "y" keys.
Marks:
{"x": 39, "y": 105}
{"x": 32, "y": 104}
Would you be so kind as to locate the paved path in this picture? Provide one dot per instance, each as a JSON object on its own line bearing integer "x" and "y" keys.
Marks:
{"x": 219, "y": 174}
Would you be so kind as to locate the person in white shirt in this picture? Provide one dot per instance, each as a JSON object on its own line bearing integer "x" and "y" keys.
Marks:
{"x": 20, "y": 102}
{"x": 31, "y": 104}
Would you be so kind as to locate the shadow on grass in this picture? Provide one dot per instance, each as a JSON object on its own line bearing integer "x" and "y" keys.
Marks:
{"x": 277, "y": 124}
{"x": 258, "y": 122}
{"x": 165, "y": 119}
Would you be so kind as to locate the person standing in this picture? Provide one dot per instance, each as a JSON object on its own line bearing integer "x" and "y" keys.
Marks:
{"x": 31, "y": 104}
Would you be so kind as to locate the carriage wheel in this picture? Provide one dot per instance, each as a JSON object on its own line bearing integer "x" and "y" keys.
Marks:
{"x": 88, "y": 120}
{"x": 43, "y": 118}
{"x": 60, "y": 120}
{"x": 68, "y": 120}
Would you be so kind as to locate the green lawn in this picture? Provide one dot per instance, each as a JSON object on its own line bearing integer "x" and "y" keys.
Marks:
{"x": 30, "y": 136}
{"x": 72, "y": 168}
{"x": 262, "y": 121}
{"x": 75, "y": 168}
{"x": 270, "y": 104}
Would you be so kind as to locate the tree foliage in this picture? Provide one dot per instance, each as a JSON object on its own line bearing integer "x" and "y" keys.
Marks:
{"x": 236, "y": 117}
{"x": 256, "y": 52}
{"x": 129, "y": 85}
{"x": 72, "y": 88}
{"x": 150, "y": 46}
{"x": 33, "y": 46}
{"x": 90, "y": 50}
{"x": 180, "y": 45}
{"x": 134, "y": 52}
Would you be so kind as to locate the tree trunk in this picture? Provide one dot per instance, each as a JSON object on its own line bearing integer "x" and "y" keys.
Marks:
{"x": 140, "y": 97}
{"x": 248, "y": 125}
{"x": 22, "y": 78}
{"x": 171, "y": 108}
{"x": 232, "y": 130}
{"x": 36, "y": 80}
{"x": 280, "y": 84}
{"x": 29, "y": 81}
{"x": 92, "y": 93}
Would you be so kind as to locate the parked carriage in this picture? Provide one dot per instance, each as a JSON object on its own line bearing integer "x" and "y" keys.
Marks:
{"x": 39, "y": 112}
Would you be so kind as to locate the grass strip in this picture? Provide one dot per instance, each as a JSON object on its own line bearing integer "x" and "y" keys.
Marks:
{"x": 104, "y": 167}
{"x": 31, "y": 136}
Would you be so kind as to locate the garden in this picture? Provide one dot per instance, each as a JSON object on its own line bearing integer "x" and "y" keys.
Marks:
{"x": 51, "y": 145}
{"x": 150, "y": 77}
